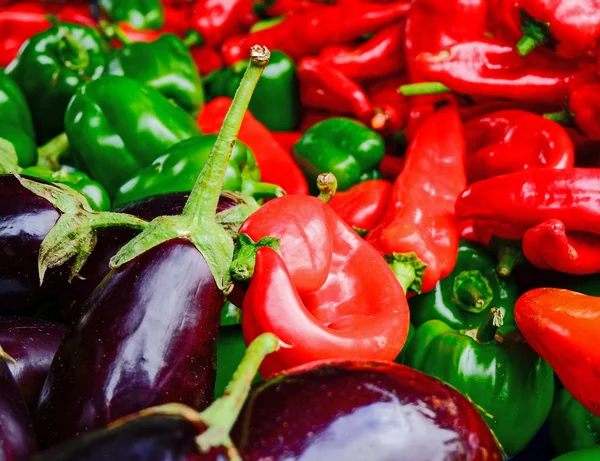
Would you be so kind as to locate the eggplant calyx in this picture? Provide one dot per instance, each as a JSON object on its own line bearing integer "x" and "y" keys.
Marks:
{"x": 244, "y": 255}
{"x": 73, "y": 237}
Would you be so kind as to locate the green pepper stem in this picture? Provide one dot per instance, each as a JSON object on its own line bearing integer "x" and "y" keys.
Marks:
{"x": 113, "y": 31}
{"x": 408, "y": 269}
{"x": 258, "y": 190}
{"x": 424, "y": 88}
{"x": 472, "y": 291}
{"x": 563, "y": 117}
{"x": 49, "y": 153}
{"x": 204, "y": 198}
{"x": 73, "y": 55}
{"x": 526, "y": 45}
{"x": 509, "y": 257}
{"x": 488, "y": 328}
{"x": 193, "y": 38}
{"x": 327, "y": 185}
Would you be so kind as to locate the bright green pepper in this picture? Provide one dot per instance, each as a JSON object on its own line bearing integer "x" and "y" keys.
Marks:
{"x": 342, "y": 146}
{"x": 591, "y": 454}
{"x": 23, "y": 143}
{"x": 510, "y": 384}
{"x": 51, "y": 66}
{"x": 117, "y": 126}
{"x": 164, "y": 64}
{"x": 463, "y": 299}
{"x": 275, "y": 102}
{"x": 141, "y": 14}
{"x": 401, "y": 358}
{"x": 178, "y": 168}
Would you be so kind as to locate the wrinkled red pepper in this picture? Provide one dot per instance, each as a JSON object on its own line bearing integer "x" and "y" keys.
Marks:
{"x": 317, "y": 297}
{"x": 276, "y": 164}
{"x": 307, "y": 33}
{"x": 390, "y": 107}
{"x": 217, "y": 20}
{"x": 420, "y": 216}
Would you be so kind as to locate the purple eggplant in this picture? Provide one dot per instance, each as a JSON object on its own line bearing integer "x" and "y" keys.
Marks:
{"x": 357, "y": 411}
{"x": 17, "y": 440}
{"x": 32, "y": 343}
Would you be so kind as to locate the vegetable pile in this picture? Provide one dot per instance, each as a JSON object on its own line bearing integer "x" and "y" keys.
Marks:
{"x": 299, "y": 230}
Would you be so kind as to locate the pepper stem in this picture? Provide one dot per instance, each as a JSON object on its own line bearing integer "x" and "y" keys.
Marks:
{"x": 526, "y": 45}
{"x": 488, "y": 328}
{"x": 204, "y": 198}
{"x": 327, "y": 184}
{"x": 258, "y": 190}
{"x": 509, "y": 256}
{"x": 113, "y": 32}
{"x": 408, "y": 269}
{"x": 73, "y": 55}
{"x": 424, "y": 88}
{"x": 472, "y": 291}
{"x": 535, "y": 33}
{"x": 244, "y": 255}
{"x": 49, "y": 153}
{"x": 563, "y": 117}
{"x": 193, "y": 38}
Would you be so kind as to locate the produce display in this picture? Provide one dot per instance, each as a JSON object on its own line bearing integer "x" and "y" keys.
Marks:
{"x": 278, "y": 230}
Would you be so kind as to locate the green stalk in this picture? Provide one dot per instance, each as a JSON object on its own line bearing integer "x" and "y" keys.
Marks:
{"x": 472, "y": 291}
{"x": 73, "y": 55}
{"x": 425, "y": 88}
{"x": 487, "y": 330}
{"x": 113, "y": 31}
{"x": 50, "y": 152}
{"x": 327, "y": 184}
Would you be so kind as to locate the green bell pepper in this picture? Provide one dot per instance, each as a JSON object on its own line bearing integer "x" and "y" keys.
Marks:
{"x": 510, "y": 384}
{"x": 230, "y": 315}
{"x": 51, "y": 66}
{"x": 401, "y": 358}
{"x": 342, "y": 146}
{"x": 178, "y": 168}
{"x": 165, "y": 64}
{"x": 116, "y": 126}
{"x": 591, "y": 454}
{"x": 275, "y": 102}
{"x": 141, "y": 14}
{"x": 24, "y": 144}
{"x": 463, "y": 299}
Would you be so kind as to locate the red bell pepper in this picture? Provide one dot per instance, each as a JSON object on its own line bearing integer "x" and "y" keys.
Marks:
{"x": 362, "y": 206}
{"x": 287, "y": 139}
{"x": 217, "y": 20}
{"x": 420, "y": 216}
{"x": 390, "y": 107}
{"x": 207, "y": 59}
{"x": 422, "y": 107}
{"x": 583, "y": 108}
{"x": 324, "y": 87}
{"x": 307, "y": 33}
{"x": 311, "y": 117}
{"x": 549, "y": 246}
{"x": 318, "y": 296}
{"x": 276, "y": 165}
{"x": 562, "y": 326}
{"x": 391, "y": 166}
{"x": 511, "y": 140}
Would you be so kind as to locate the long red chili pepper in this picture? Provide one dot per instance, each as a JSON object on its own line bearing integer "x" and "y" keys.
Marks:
{"x": 307, "y": 33}
{"x": 420, "y": 216}
{"x": 217, "y": 20}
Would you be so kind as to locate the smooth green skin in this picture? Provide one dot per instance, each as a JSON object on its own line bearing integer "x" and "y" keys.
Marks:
{"x": 401, "y": 358}
{"x": 591, "y": 454}
{"x": 511, "y": 385}
{"x": 166, "y": 65}
{"x": 49, "y": 72}
{"x": 141, "y": 14}
{"x": 231, "y": 315}
{"x": 441, "y": 304}
{"x": 14, "y": 110}
{"x": 23, "y": 143}
{"x": 342, "y": 146}
{"x": 275, "y": 102}
{"x": 179, "y": 167}
{"x": 95, "y": 194}
{"x": 116, "y": 126}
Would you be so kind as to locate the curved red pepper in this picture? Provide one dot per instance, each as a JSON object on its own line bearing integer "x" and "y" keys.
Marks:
{"x": 511, "y": 140}
{"x": 339, "y": 317}
{"x": 391, "y": 108}
{"x": 420, "y": 216}
{"x": 584, "y": 104}
{"x": 363, "y": 204}
{"x": 217, "y": 20}
{"x": 276, "y": 164}
{"x": 287, "y": 139}
{"x": 421, "y": 107}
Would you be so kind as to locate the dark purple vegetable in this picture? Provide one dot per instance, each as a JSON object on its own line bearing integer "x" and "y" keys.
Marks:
{"x": 17, "y": 440}
{"x": 32, "y": 343}
{"x": 356, "y": 411}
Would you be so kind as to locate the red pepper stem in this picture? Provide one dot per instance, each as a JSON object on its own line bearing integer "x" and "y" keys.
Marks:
{"x": 563, "y": 117}
{"x": 193, "y": 38}
{"x": 408, "y": 269}
{"x": 327, "y": 184}
{"x": 49, "y": 153}
{"x": 509, "y": 257}
{"x": 204, "y": 198}
{"x": 526, "y": 45}
{"x": 472, "y": 291}
{"x": 259, "y": 190}
{"x": 113, "y": 31}
{"x": 424, "y": 88}
{"x": 72, "y": 54}
{"x": 244, "y": 256}
{"x": 487, "y": 330}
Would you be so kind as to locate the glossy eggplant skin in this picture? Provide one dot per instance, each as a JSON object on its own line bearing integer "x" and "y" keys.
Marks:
{"x": 355, "y": 411}
{"x": 32, "y": 343}
{"x": 148, "y": 336}
{"x": 17, "y": 440}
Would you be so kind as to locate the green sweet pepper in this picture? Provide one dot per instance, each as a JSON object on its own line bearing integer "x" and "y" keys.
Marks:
{"x": 165, "y": 64}
{"x": 24, "y": 144}
{"x": 342, "y": 146}
{"x": 509, "y": 383}
{"x": 463, "y": 299}
{"x": 51, "y": 66}
{"x": 278, "y": 84}
{"x": 117, "y": 125}
{"x": 591, "y": 454}
{"x": 178, "y": 168}
{"x": 141, "y": 14}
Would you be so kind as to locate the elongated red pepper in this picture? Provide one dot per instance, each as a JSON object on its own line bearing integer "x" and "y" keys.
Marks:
{"x": 511, "y": 140}
{"x": 276, "y": 164}
{"x": 420, "y": 216}
{"x": 217, "y": 20}
{"x": 378, "y": 57}
{"x": 390, "y": 107}
{"x": 529, "y": 197}
{"x": 307, "y": 33}
{"x": 323, "y": 87}
{"x": 583, "y": 109}
{"x": 422, "y": 107}
{"x": 317, "y": 297}
{"x": 493, "y": 69}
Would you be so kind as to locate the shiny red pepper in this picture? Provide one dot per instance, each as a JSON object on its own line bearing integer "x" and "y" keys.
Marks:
{"x": 390, "y": 107}
{"x": 287, "y": 139}
{"x": 207, "y": 59}
{"x": 276, "y": 164}
{"x": 549, "y": 246}
{"x": 511, "y": 140}
{"x": 583, "y": 109}
{"x": 217, "y": 20}
{"x": 420, "y": 216}
{"x": 421, "y": 107}
{"x": 317, "y": 297}
{"x": 307, "y": 33}
{"x": 311, "y": 117}
{"x": 276, "y": 8}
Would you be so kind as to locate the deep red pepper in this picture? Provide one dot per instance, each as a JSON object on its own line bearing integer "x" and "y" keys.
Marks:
{"x": 420, "y": 216}
{"x": 276, "y": 8}
{"x": 511, "y": 140}
{"x": 287, "y": 139}
{"x": 391, "y": 166}
{"x": 323, "y": 87}
{"x": 421, "y": 107}
{"x": 311, "y": 117}
{"x": 471, "y": 111}
{"x": 217, "y": 20}
{"x": 549, "y": 246}
{"x": 390, "y": 107}
{"x": 583, "y": 109}
{"x": 207, "y": 59}
{"x": 276, "y": 164}
{"x": 307, "y": 33}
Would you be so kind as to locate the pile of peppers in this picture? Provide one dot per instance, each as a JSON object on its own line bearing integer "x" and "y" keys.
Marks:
{"x": 300, "y": 229}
